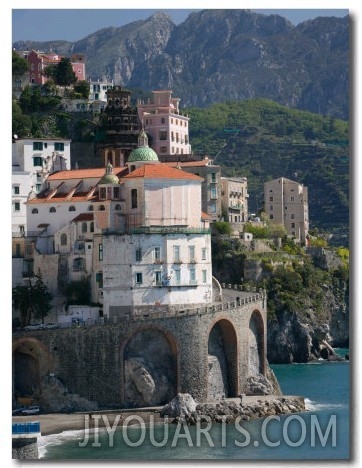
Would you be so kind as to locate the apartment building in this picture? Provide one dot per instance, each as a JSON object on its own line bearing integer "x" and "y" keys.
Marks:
{"x": 286, "y": 203}
{"x": 167, "y": 127}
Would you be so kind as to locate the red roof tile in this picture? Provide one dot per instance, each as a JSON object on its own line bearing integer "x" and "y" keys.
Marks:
{"x": 84, "y": 173}
{"x": 161, "y": 171}
{"x": 84, "y": 217}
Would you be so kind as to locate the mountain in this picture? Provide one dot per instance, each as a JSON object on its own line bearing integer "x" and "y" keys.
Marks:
{"x": 224, "y": 55}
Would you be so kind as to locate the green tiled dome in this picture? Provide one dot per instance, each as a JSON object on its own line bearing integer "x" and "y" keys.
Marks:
{"x": 143, "y": 153}
{"x": 109, "y": 177}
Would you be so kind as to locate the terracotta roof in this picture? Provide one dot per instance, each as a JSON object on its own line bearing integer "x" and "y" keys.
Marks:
{"x": 62, "y": 198}
{"x": 84, "y": 217}
{"x": 84, "y": 173}
{"x": 205, "y": 215}
{"x": 161, "y": 171}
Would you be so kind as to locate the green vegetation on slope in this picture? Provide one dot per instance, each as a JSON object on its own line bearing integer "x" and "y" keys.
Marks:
{"x": 262, "y": 140}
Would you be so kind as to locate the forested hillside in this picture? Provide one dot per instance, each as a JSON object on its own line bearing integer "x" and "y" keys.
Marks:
{"x": 262, "y": 140}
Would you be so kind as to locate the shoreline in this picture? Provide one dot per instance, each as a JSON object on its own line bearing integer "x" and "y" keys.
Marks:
{"x": 256, "y": 406}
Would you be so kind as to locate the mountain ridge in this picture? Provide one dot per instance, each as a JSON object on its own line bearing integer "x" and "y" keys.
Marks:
{"x": 220, "y": 55}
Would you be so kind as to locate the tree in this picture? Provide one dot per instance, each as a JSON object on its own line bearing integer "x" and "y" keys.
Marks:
{"x": 19, "y": 65}
{"x": 21, "y": 124}
{"x": 82, "y": 87}
{"x": 65, "y": 75}
{"x": 32, "y": 301}
{"x": 41, "y": 298}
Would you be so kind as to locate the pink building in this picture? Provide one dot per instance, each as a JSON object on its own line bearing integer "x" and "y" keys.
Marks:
{"x": 38, "y": 61}
{"x": 167, "y": 128}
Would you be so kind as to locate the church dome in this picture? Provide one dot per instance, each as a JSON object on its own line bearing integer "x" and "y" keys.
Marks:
{"x": 143, "y": 153}
{"x": 109, "y": 177}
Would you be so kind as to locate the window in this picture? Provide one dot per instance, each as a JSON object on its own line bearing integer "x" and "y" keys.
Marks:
{"x": 63, "y": 239}
{"x": 271, "y": 199}
{"x": 34, "y": 211}
{"x": 163, "y": 120}
{"x": 37, "y": 161}
{"x": 84, "y": 227}
{"x": 176, "y": 253}
{"x": 271, "y": 216}
{"x": 213, "y": 192}
{"x": 178, "y": 277}
{"x": 92, "y": 226}
{"x": 37, "y": 187}
{"x": 271, "y": 207}
{"x": 291, "y": 198}
{"x": 292, "y": 225}
{"x": 163, "y": 149}
{"x": 203, "y": 253}
{"x": 192, "y": 276}
{"x": 139, "y": 278}
{"x": 292, "y": 216}
{"x": 100, "y": 252}
{"x": 134, "y": 198}
{"x": 17, "y": 206}
{"x": 72, "y": 208}
{"x": 158, "y": 277}
{"x": 102, "y": 193}
{"x": 59, "y": 146}
{"x": 192, "y": 253}
{"x": 163, "y": 135}
{"x": 138, "y": 254}
{"x": 204, "y": 276}
{"x": 157, "y": 253}
{"x": 213, "y": 177}
{"x": 52, "y": 209}
{"x": 79, "y": 264}
{"x": 90, "y": 208}
{"x": 99, "y": 279}
{"x": 37, "y": 146}
{"x": 102, "y": 208}
{"x": 116, "y": 192}
{"x": 213, "y": 207}
{"x": 117, "y": 207}
{"x": 16, "y": 189}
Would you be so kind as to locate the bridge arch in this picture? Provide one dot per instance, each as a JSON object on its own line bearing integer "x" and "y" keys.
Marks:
{"x": 149, "y": 367}
{"x": 256, "y": 354}
{"x": 31, "y": 361}
{"x": 222, "y": 359}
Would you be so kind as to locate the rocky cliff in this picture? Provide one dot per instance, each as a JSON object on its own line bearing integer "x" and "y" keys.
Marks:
{"x": 223, "y": 55}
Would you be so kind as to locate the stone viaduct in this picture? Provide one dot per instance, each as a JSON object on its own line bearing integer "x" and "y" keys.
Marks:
{"x": 148, "y": 357}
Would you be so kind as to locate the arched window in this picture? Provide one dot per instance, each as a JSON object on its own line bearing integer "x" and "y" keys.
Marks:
{"x": 102, "y": 208}
{"x": 34, "y": 211}
{"x": 63, "y": 239}
{"x": 84, "y": 227}
{"x": 52, "y": 210}
{"x": 72, "y": 208}
{"x": 117, "y": 207}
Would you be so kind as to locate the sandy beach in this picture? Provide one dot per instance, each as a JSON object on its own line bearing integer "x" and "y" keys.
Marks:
{"x": 55, "y": 423}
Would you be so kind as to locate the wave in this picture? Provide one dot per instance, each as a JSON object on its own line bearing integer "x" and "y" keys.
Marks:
{"x": 58, "y": 439}
{"x": 311, "y": 405}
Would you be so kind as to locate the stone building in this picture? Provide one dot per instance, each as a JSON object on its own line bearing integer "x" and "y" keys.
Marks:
{"x": 286, "y": 203}
{"x": 234, "y": 200}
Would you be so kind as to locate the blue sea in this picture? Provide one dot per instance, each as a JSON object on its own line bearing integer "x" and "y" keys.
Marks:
{"x": 320, "y": 433}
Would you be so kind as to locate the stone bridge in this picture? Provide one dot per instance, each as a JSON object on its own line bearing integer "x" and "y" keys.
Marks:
{"x": 146, "y": 358}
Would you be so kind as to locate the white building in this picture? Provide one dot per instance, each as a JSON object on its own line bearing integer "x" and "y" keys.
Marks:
{"x": 286, "y": 203}
{"x": 137, "y": 232}
{"x": 167, "y": 127}
{"x": 32, "y": 161}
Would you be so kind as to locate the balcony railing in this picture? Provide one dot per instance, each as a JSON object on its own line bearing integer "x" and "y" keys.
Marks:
{"x": 157, "y": 230}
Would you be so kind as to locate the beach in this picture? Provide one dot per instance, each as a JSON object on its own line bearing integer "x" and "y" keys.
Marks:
{"x": 55, "y": 423}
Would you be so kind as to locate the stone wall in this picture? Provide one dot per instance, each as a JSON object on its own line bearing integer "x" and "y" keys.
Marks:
{"x": 113, "y": 363}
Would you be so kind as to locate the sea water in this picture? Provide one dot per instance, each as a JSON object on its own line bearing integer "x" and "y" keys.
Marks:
{"x": 322, "y": 432}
